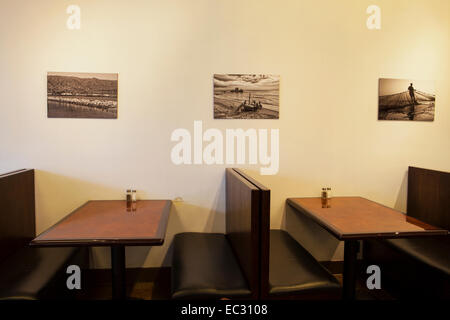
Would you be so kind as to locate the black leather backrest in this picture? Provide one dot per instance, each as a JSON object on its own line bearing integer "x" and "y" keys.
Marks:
{"x": 242, "y": 225}
{"x": 429, "y": 196}
{"x": 17, "y": 211}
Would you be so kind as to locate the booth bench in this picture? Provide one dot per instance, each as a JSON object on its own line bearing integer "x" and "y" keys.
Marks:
{"x": 26, "y": 272}
{"x": 419, "y": 267}
{"x": 250, "y": 261}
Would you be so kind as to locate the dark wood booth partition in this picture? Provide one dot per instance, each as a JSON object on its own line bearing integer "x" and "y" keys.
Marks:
{"x": 243, "y": 207}
{"x": 418, "y": 267}
{"x": 263, "y": 218}
{"x": 25, "y": 272}
{"x": 17, "y": 223}
{"x": 429, "y": 196}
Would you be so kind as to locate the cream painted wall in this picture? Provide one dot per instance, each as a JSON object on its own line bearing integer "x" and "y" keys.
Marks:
{"x": 166, "y": 53}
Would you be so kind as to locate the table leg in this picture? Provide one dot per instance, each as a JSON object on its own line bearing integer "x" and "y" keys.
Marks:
{"x": 349, "y": 281}
{"x": 118, "y": 272}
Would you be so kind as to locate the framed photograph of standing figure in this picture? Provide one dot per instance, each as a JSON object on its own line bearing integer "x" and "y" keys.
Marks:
{"x": 82, "y": 95}
{"x": 403, "y": 99}
{"x": 246, "y": 96}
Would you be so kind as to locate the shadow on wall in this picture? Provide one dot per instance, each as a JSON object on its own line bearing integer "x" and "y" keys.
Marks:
{"x": 400, "y": 203}
{"x": 58, "y": 195}
{"x": 319, "y": 242}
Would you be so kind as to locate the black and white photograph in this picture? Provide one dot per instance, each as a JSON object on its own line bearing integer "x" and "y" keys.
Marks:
{"x": 246, "y": 96}
{"x": 402, "y": 99}
{"x": 82, "y": 95}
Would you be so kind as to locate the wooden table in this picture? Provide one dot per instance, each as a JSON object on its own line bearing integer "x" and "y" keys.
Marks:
{"x": 111, "y": 223}
{"x": 354, "y": 218}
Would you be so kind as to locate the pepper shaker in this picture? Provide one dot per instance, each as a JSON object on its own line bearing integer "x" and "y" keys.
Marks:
{"x": 324, "y": 197}
{"x": 129, "y": 198}
{"x": 133, "y": 200}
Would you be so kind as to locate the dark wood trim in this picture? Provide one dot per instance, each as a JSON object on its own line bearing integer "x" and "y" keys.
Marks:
{"x": 141, "y": 242}
{"x": 393, "y": 235}
{"x": 251, "y": 180}
{"x": 265, "y": 242}
{"x": 14, "y": 172}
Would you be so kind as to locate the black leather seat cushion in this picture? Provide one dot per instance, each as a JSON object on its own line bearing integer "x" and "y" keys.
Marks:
{"x": 434, "y": 252}
{"x": 204, "y": 266}
{"x": 294, "y": 271}
{"x": 29, "y": 272}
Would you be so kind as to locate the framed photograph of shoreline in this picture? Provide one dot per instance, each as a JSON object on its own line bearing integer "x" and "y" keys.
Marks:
{"x": 403, "y": 99}
{"x": 82, "y": 95}
{"x": 246, "y": 96}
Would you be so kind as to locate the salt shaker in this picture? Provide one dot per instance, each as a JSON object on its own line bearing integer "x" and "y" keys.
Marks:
{"x": 328, "y": 197}
{"x": 129, "y": 198}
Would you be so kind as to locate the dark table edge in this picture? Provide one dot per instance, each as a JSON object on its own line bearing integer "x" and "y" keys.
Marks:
{"x": 361, "y": 236}
{"x": 97, "y": 243}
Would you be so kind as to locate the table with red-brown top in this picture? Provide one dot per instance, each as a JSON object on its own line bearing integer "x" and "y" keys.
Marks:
{"x": 354, "y": 218}
{"x": 111, "y": 223}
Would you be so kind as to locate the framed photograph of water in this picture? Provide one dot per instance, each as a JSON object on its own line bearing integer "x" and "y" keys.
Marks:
{"x": 82, "y": 95}
{"x": 246, "y": 96}
{"x": 403, "y": 99}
